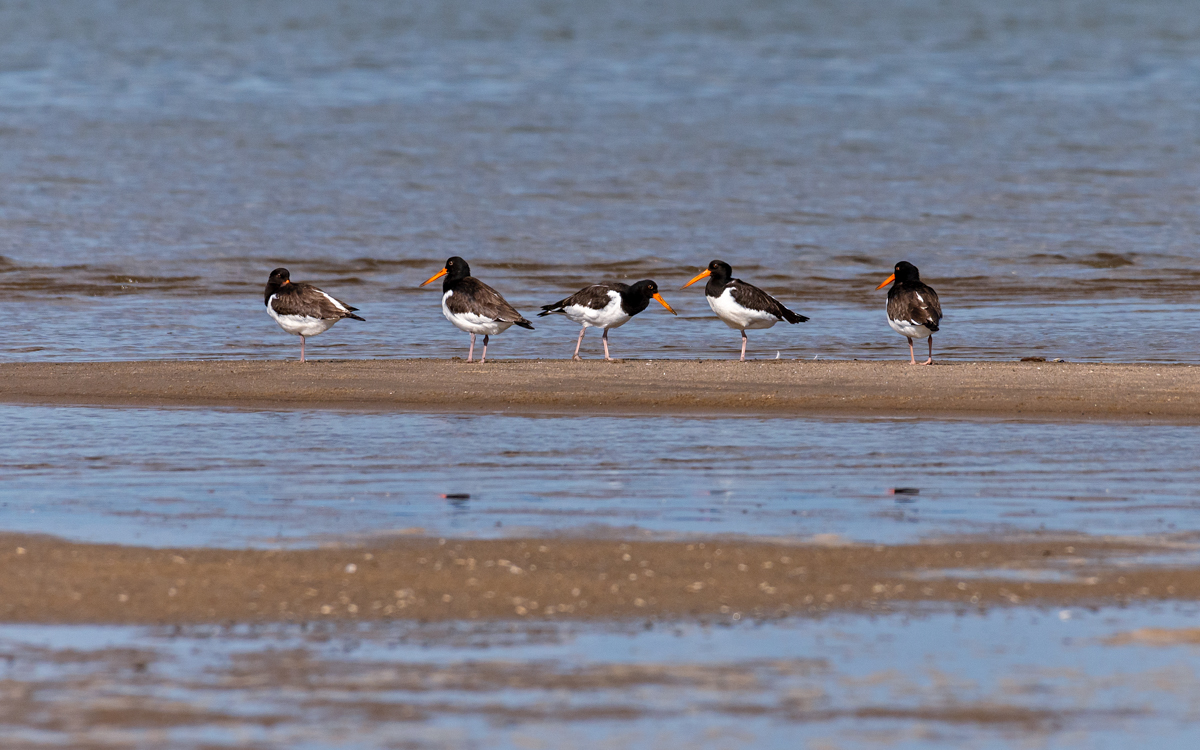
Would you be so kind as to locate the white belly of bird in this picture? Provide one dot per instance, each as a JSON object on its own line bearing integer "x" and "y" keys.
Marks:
{"x": 609, "y": 316}
{"x": 909, "y": 329}
{"x": 300, "y": 325}
{"x": 738, "y": 317}
{"x": 472, "y": 323}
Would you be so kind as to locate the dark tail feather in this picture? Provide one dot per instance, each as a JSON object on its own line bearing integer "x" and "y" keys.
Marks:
{"x": 352, "y": 315}
{"x": 547, "y": 309}
{"x": 524, "y": 323}
{"x": 792, "y": 317}
{"x": 932, "y": 326}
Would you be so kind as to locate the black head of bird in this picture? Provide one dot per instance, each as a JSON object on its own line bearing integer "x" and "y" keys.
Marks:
{"x": 456, "y": 268}
{"x": 648, "y": 289}
{"x": 278, "y": 279}
{"x": 904, "y": 271}
{"x": 719, "y": 270}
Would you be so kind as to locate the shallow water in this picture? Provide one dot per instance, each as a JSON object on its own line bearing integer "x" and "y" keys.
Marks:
{"x": 231, "y": 478}
{"x": 158, "y": 156}
{"x": 224, "y": 328}
{"x": 999, "y": 679}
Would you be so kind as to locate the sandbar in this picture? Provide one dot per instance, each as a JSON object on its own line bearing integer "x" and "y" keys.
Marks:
{"x": 50, "y": 580}
{"x": 1028, "y": 390}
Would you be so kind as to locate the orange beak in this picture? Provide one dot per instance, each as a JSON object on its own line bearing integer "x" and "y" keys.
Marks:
{"x": 702, "y": 275}
{"x": 436, "y": 276}
{"x": 887, "y": 281}
{"x": 286, "y": 282}
{"x": 663, "y": 302}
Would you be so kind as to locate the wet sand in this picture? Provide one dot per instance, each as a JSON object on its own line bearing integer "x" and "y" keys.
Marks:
{"x": 49, "y": 580}
{"x": 767, "y": 388}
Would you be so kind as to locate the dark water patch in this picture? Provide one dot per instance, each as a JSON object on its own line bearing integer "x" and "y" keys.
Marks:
{"x": 535, "y": 129}
{"x": 158, "y": 283}
{"x": 66, "y": 180}
{"x": 40, "y": 282}
{"x": 361, "y": 265}
{"x": 1106, "y": 260}
{"x": 604, "y": 195}
{"x": 1113, "y": 172}
{"x": 1094, "y": 260}
{"x": 802, "y": 218}
{"x": 862, "y": 260}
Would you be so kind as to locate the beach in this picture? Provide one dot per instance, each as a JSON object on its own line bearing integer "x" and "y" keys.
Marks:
{"x": 424, "y": 635}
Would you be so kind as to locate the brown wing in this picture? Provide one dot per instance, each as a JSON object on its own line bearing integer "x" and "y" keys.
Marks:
{"x": 473, "y": 296}
{"x": 750, "y": 296}
{"x": 309, "y": 301}
{"x": 916, "y": 303}
{"x": 594, "y": 296}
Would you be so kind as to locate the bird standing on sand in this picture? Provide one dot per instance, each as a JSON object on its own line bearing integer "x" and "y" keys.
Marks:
{"x": 913, "y": 309}
{"x": 473, "y": 306}
{"x": 740, "y": 305}
{"x": 606, "y": 305}
{"x": 301, "y": 308}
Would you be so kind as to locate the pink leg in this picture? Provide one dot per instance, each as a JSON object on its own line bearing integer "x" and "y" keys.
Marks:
{"x": 471, "y": 351}
{"x": 301, "y": 348}
{"x": 912, "y": 359}
{"x": 930, "y": 360}
{"x": 483, "y": 357}
{"x": 743, "y": 359}
{"x": 605, "y": 337}
{"x": 578, "y": 344}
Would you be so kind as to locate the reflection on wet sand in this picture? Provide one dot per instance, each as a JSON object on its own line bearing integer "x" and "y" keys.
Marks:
{"x": 381, "y": 694}
{"x": 929, "y": 680}
{"x": 227, "y": 478}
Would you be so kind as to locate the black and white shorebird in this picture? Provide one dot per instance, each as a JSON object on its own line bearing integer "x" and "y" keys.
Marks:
{"x": 301, "y": 308}
{"x": 473, "y": 306}
{"x": 610, "y": 304}
{"x": 913, "y": 309}
{"x": 740, "y": 305}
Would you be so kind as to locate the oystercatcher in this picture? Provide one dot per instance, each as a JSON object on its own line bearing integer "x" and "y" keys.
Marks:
{"x": 301, "y": 308}
{"x": 913, "y": 309}
{"x": 606, "y": 305}
{"x": 740, "y": 305}
{"x": 473, "y": 306}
